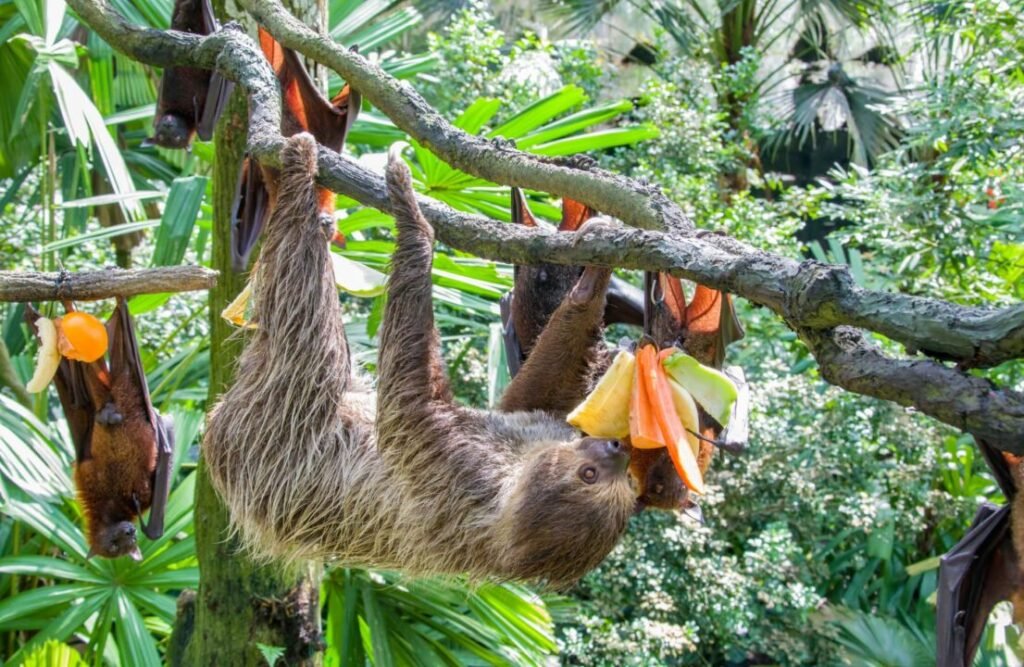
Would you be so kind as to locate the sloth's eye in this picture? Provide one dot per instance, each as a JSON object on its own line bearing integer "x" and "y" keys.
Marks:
{"x": 588, "y": 474}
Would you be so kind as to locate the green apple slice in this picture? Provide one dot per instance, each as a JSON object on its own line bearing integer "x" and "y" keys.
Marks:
{"x": 356, "y": 278}
{"x": 715, "y": 392}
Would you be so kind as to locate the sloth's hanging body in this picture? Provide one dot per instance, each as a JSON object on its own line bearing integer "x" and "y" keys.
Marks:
{"x": 314, "y": 464}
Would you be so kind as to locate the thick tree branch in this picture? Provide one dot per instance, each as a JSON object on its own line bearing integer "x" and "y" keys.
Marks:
{"x": 812, "y": 297}
{"x": 641, "y": 205}
{"x": 972, "y": 404}
{"x": 92, "y": 285}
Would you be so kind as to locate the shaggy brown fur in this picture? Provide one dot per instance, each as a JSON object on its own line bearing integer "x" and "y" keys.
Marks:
{"x": 311, "y": 468}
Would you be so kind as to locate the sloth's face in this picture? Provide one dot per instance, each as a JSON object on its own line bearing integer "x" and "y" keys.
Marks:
{"x": 571, "y": 504}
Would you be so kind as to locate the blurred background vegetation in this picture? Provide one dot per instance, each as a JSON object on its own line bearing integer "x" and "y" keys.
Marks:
{"x": 887, "y": 136}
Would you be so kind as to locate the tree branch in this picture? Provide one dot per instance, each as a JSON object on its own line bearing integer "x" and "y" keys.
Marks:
{"x": 92, "y": 285}
{"x": 813, "y": 298}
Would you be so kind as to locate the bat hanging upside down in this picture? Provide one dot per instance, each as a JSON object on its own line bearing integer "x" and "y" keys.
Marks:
{"x": 123, "y": 448}
{"x": 191, "y": 99}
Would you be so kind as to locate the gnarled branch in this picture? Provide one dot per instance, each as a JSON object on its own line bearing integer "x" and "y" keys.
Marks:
{"x": 92, "y": 285}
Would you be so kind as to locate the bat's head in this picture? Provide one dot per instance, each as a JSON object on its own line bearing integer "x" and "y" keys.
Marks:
{"x": 657, "y": 482}
{"x": 569, "y": 506}
{"x": 171, "y": 131}
{"x": 114, "y": 540}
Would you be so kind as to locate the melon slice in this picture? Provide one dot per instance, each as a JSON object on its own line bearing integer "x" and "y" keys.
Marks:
{"x": 715, "y": 392}
{"x": 604, "y": 413}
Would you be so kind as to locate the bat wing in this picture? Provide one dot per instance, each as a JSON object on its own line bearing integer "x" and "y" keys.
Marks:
{"x": 976, "y": 574}
{"x": 216, "y": 101}
{"x": 711, "y": 325}
{"x": 220, "y": 88}
{"x": 1000, "y": 469}
{"x": 664, "y": 307}
{"x": 574, "y": 214}
{"x": 73, "y": 392}
{"x": 521, "y": 214}
{"x": 306, "y": 109}
{"x": 624, "y": 304}
{"x": 251, "y": 210}
{"x": 514, "y": 356}
{"x": 124, "y": 358}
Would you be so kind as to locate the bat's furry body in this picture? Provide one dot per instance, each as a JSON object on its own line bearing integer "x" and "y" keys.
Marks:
{"x": 115, "y": 481}
{"x": 191, "y": 99}
{"x": 314, "y": 464}
{"x": 122, "y": 446}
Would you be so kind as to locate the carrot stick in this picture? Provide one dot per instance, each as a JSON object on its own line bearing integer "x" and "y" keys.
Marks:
{"x": 644, "y": 431}
{"x": 659, "y": 395}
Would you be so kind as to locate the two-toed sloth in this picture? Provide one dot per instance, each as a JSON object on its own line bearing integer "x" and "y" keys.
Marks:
{"x": 315, "y": 464}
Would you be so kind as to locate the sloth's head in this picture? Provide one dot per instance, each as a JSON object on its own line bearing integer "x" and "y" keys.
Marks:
{"x": 570, "y": 504}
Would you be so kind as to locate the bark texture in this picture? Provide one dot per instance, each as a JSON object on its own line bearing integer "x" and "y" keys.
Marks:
{"x": 816, "y": 300}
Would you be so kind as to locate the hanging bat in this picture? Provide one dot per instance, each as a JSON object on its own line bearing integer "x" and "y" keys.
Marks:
{"x": 304, "y": 109}
{"x": 191, "y": 99}
{"x": 123, "y": 449}
{"x": 983, "y": 569}
{"x": 539, "y": 289}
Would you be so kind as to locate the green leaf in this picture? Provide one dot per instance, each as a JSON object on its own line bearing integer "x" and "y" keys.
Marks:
{"x": 60, "y": 628}
{"x": 38, "y": 599}
{"x": 576, "y": 122}
{"x": 540, "y": 112}
{"x": 270, "y": 653}
{"x": 52, "y": 654}
{"x": 47, "y": 520}
{"x": 178, "y": 219}
{"x": 134, "y": 643}
{"x": 84, "y": 122}
{"x": 45, "y": 566}
{"x": 596, "y": 141}
{"x": 377, "y": 624}
{"x": 101, "y": 233}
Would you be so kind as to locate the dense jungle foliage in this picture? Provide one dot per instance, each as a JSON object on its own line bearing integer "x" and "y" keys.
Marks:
{"x": 887, "y": 136}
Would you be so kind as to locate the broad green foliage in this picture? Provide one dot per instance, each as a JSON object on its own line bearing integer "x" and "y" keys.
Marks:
{"x": 821, "y": 543}
{"x": 391, "y": 620}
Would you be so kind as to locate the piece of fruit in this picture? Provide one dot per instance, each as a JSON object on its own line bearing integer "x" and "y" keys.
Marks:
{"x": 688, "y": 415}
{"x": 686, "y": 465}
{"x": 237, "y": 312}
{"x": 81, "y": 337}
{"x": 604, "y": 413}
{"x": 644, "y": 431}
{"x": 49, "y": 356}
{"x": 675, "y": 437}
{"x": 715, "y": 392}
{"x": 356, "y": 278}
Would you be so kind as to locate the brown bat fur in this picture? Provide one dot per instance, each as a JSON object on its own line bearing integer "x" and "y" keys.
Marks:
{"x": 119, "y": 468}
{"x": 310, "y": 468}
{"x": 183, "y": 90}
{"x": 1017, "y": 531}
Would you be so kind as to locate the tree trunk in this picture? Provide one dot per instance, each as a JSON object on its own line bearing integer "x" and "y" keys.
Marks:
{"x": 240, "y": 604}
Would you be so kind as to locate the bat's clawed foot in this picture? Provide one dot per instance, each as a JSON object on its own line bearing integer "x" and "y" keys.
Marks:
{"x": 233, "y": 25}
{"x": 109, "y": 415}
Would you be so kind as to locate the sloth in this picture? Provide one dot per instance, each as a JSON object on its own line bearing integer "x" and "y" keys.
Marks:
{"x": 316, "y": 464}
